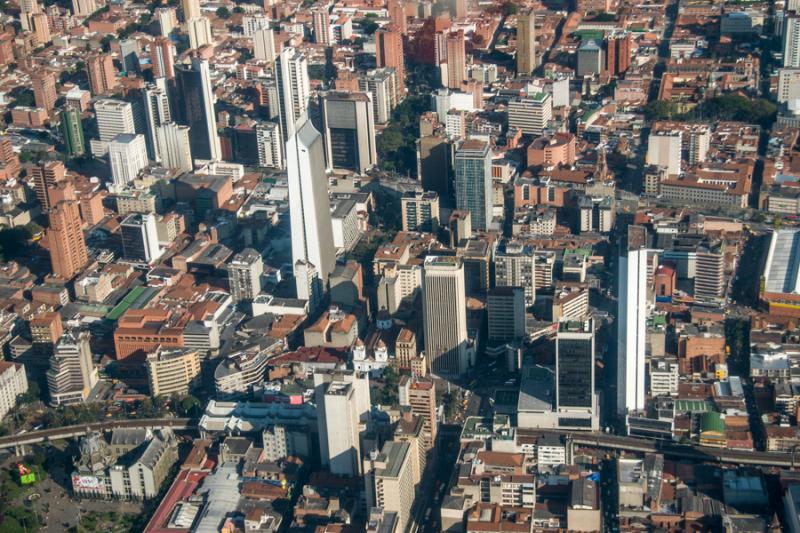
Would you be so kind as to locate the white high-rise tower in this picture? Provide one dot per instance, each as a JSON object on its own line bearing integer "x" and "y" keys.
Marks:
{"x": 293, "y": 88}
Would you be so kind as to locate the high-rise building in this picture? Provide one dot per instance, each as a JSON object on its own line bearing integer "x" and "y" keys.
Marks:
{"x": 28, "y": 8}
{"x": 788, "y": 84}
{"x": 791, "y": 41}
{"x": 174, "y": 146}
{"x": 264, "y": 44}
{"x": 381, "y": 85}
{"x": 44, "y": 89}
{"x": 191, "y": 9}
{"x": 156, "y": 111}
{"x": 664, "y": 150}
{"x": 515, "y": 266}
{"x": 127, "y": 155}
{"x": 46, "y": 176}
{"x": 83, "y": 8}
{"x": 167, "y": 20}
{"x": 172, "y": 371}
{"x": 590, "y": 59}
{"x": 434, "y": 163}
{"x": 13, "y": 383}
{"x": 389, "y": 480}
{"x": 102, "y": 74}
{"x": 129, "y": 51}
{"x": 323, "y": 33}
{"x": 349, "y": 131}
{"x": 72, "y": 374}
{"x": 444, "y": 307}
{"x": 270, "y": 145}
{"x": 505, "y": 310}
{"x": 576, "y": 400}
{"x": 420, "y": 211}
{"x": 526, "y": 44}
{"x": 140, "y": 238}
{"x": 618, "y": 54}
{"x": 200, "y": 34}
{"x": 473, "y": 181}
{"x": 456, "y": 59}
{"x": 162, "y": 57}
{"x": 309, "y": 209}
{"x": 113, "y": 117}
{"x": 389, "y": 53}
{"x": 420, "y": 395}
{"x": 72, "y": 130}
{"x": 291, "y": 73}
{"x": 244, "y": 275}
{"x": 196, "y": 109}
{"x": 252, "y": 23}
{"x": 531, "y": 114}
{"x": 632, "y": 312}
{"x": 65, "y": 240}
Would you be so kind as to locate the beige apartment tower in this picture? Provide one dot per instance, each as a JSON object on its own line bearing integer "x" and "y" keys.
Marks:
{"x": 526, "y": 44}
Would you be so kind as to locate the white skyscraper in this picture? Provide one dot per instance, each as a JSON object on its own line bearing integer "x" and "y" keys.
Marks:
{"x": 113, "y": 117}
{"x": 140, "y": 238}
{"x": 252, "y": 23}
{"x": 632, "y": 312}
{"x": 199, "y": 32}
{"x": 264, "y": 44}
{"x": 291, "y": 72}
{"x": 309, "y": 209}
{"x": 156, "y": 113}
{"x": 444, "y": 312}
{"x": 244, "y": 275}
{"x": 127, "y": 154}
{"x": 83, "y": 8}
{"x": 270, "y": 145}
{"x": 72, "y": 374}
{"x": 791, "y": 42}
{"x": 173, "y": 146}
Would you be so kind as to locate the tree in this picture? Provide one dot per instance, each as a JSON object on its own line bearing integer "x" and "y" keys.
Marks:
{"x": 660, "y": 110}
{"x": 190, "y": 406}
{"x": 368, "y": 26}
{"x": 509, "y": 8}
{"x": 238, "y": 10}
{"x": 223, "y": 13}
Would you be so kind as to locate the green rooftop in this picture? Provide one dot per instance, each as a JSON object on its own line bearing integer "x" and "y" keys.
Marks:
{"x": 712, "y": 421}
{"x": 137, "y": 295}
{"x": 692, "y": 406}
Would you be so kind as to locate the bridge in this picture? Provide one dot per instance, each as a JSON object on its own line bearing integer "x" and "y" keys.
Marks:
{"x": 21, "y": 440}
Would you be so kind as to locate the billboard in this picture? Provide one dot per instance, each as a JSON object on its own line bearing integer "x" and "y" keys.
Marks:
{"x": 85, "y": 483}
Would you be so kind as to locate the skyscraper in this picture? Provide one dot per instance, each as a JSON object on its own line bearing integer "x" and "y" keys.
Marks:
{"x": 44, "y": 90}
{"x": 389, "y": 53}
{"x": 389, "y": 480}
{"x": 83, "y": 8}
{"x": 420, "y": 395}
{"x": 244, "y": 275}
{"x": 199, "y": 30}
{"x": 72, "y": 374}
{"x": 576, "y": 401}
{"x": 72, "y": 130}
{"x": 381, "y": 85}
{"x": 323, "y": 34}
{"x": 140, "y": 238}
{"x": 456, "y": 59}
{"x": 68, "y": 253}
{"x": 102, "y": 74}
{"x": 526, "y": 44}
{"x": 45, "y": 177}
{"x": 113, "y": 117}
{"x": 127, "y": 155}
{"x": 191, "y": 9}
{"x": 162, "y": 57}
{"x": 157, "y": 112}
{"x": 397, "y": 13}
{"x": 349, "y": 129}
{"x": 264, "y": 44}
{"x": 291, "y": 72}
{"x": 791, "y": 41}
{"x": 311, "y": 226}
{"x": 473, "y": 181}
{"x": 28, "y": 8}
{"x": 618, "y": 54}
{"x": 632, "y": 312}
{"x": 444, "y": 311}
{"x": 270, "y": 145}
{"x": 515, "y": 266}
{"x": 174, "y": 146}
{"x": 196, "y": 109}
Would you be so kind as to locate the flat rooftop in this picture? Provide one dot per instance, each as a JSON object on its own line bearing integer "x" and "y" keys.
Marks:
{"x": 782, "y": 269}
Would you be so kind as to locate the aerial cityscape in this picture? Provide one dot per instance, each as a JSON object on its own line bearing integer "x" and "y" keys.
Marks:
{"x": 399, "y": 266}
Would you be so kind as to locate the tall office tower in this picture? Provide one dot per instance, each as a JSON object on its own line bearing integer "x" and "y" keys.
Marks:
{"x": 618, "y": 54}
{"x": 83, "y": 8}
{"x": 196, "y": 109}
{"x": 244, "y": 275}
{"x": 127, "y": 155}
{"x": 191, "y": 9}
{"x": 140, "y": 238}
{"x": 434, "y": 165}
{"x": 102, "y": 74}
{"x": 420, "y": 211}
{"x": 473, "y": 181}
{"x": 264, "y": 44}
{"x": 788, "y": 84}
{"x": 270, "y": 145}
{"x": 420, "y": 395}
{"x": 72, "y": 130}
{"x": 252, "y": 23}
{"x": 344, "y": 415}
{"x": 44, "y": 90}
{"x": 47, "y": 176}
{"x": 156, "y": 111}
{"x": 590, "y": 59}
{"x": 381, "y": 85}
{"x": 174, "y": 147}
{"x": 389, "y": 480}
{"x": 389, "y": 53}
{"x": 515, "y": 266}
{"x": 129, "y": 51}
{"x": 309, "y": 208}
{"x": 791, "y": 41}
{"x": 162, "y": 57}
{"x": 167, "y": 20}
{"x": 349, "y": 130}
{"x": 444, "y": 306}
{"x": 113, "y": 117}
{"x": 505, "y": 310}
{"x": 531, "y": 113}
{"x": 68, "y": 253}
{"x": 632, "y": 312}
{"x": 323, "y": 34}
{"x": 526, "y": 44}
{"x": 41, "y": 26}
{"x": 28, "y": 8}
{"x": 664, "y": 150}
{"x": 291, "y": 73}
{"x": 456, "y": 59}
{"x": 72, "y": 374}
{"x": 397, "y": 13}
{"x": 200, "y": 34}
{"x": 576, "y": 401}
